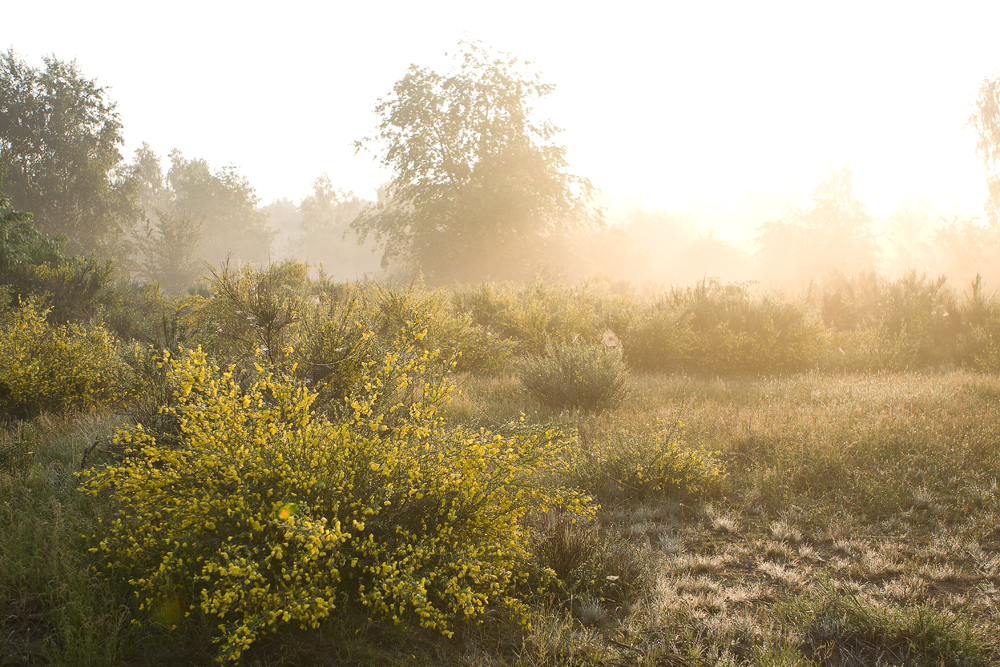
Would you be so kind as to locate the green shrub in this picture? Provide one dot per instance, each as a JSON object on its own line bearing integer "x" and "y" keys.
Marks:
{"x": 900, "y": 324}
{"x": 532, "y": 316}
{"x": 475, "y": 348}
{"x": 734, "y": 331}
{"x": 332, "y": 347}
{"x": 635, "y": 467}
{"x": 135, "y": 311}
{"x": 979, "y": 342}
{"x": 717, "y": 328}
{"x": 266, "y": 515}
{"x": 575, "y": 375}
{"x": 254, "y": 311}
{"x": 661, "y": 341}
{"x": 45, "y": 367}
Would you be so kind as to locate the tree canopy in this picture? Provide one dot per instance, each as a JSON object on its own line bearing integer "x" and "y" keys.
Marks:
{"x": 986, "y": 121}
{"x": 326, "y": 235}
{"x": 479, "y": 189}
{"x": 834, "y": 232}
{"x": 59, "y": 146}
{"x": 194, "y": 214}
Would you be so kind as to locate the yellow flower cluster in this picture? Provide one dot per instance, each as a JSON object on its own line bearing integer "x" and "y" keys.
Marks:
{"x": 45, "y": 367}
{"x": 267, "y": 514}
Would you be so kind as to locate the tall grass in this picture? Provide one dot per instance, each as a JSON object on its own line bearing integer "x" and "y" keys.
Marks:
{"x": 56, "y": 608}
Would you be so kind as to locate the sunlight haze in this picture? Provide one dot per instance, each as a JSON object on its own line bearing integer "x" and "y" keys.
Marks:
{"x": 680, "y": 106}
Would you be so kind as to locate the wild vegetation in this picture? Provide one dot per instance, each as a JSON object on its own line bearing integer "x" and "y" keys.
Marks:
{"x": 298, "y": 467}
{"x": 271, "y": 466}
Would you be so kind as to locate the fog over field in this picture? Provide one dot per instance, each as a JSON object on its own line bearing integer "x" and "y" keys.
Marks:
{"x": 709, "y": 132}
{"x": 511, "y": 334}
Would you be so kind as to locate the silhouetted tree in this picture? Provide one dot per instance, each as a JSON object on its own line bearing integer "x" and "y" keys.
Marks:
{"x": 986, "y": 120}
{"x": 168, "y": 250}
{"x": 479, "y": 189}
{"x": 59, "y": 146}
{"x": 326, "y": 235}
{"x": 232, "y": 222}
{"x": 834, "y": 232}
{"x": 194, "y": 215}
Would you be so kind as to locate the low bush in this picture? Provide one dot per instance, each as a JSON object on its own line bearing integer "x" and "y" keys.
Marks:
{"x": 531, "y": 316}
{"x": 575, "y": 375}
{"x": 476, "y": 348}
{"x": 333, "y": 345}
{"x": 722, "y": 328}
{"x": 910, "y": 322}
{"x": 661, "y": 341}
{"x": 266, "y": 515}
{"x": 45, "y": 367}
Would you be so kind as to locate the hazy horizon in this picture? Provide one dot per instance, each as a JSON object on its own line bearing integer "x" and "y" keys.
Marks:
{"x": 682, "y": 108}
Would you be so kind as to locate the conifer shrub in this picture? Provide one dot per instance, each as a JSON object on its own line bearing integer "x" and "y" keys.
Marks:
{"x": 268, "y": 515}
{"x": 978, "y": 345}
{"x": 44, "y": 367}
{"x": 575, "y": 376}
{"x": 907, "y": 323}
{"x": 254, "y": 311}
{"x": 136, "y": 311}
{"x": 476, "y": 349}
{"x": 723, "y": 328}
{"x": 634, "y": 467}
{"x": 736, "y": 331}
{"x": 661, "y": 341}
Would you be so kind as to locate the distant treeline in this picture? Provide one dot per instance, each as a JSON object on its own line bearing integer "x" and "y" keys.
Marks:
{"x": 518, "y": 215}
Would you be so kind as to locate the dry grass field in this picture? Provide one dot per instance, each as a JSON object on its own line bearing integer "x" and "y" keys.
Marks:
{"x": 856, "y": 522}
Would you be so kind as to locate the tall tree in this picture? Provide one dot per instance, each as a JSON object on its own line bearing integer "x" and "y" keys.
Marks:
{"x": 326, "y": 234}
{"x": 232, "y": 222}
{"x": 168, "y": 250}
{"x": 986, "y": 120}
{"x": 479, "y": 188}
{"x": 59, "y": 145}
{"x": 194, "y": 215}
{"x": 834, "y": 232}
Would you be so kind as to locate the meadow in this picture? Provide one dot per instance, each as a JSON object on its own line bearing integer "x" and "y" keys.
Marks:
{"x": 372, "y": 475}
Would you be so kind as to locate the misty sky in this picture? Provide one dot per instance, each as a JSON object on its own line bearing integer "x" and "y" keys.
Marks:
{"x": 677, "y": 104}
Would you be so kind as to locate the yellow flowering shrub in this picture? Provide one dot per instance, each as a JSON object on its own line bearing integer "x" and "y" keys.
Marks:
{"x": 633, "y": 467}
{"x": 46, "y": 367}
{"x": 267, "y": 514}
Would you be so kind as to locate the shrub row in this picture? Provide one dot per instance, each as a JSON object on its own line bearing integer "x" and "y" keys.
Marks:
{"x": 321, "y": 332}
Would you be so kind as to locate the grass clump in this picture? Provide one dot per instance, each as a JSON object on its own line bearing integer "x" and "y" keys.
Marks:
{"x": 841, "y": 628}
{"x": 634, "y": 467}
{"x": 590, "y": 565}
{"x": 576, "y": 376}
{"x": 266, "y": 515}
{"x": 54, "y": 609}
{"x": 16, "y": 444}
